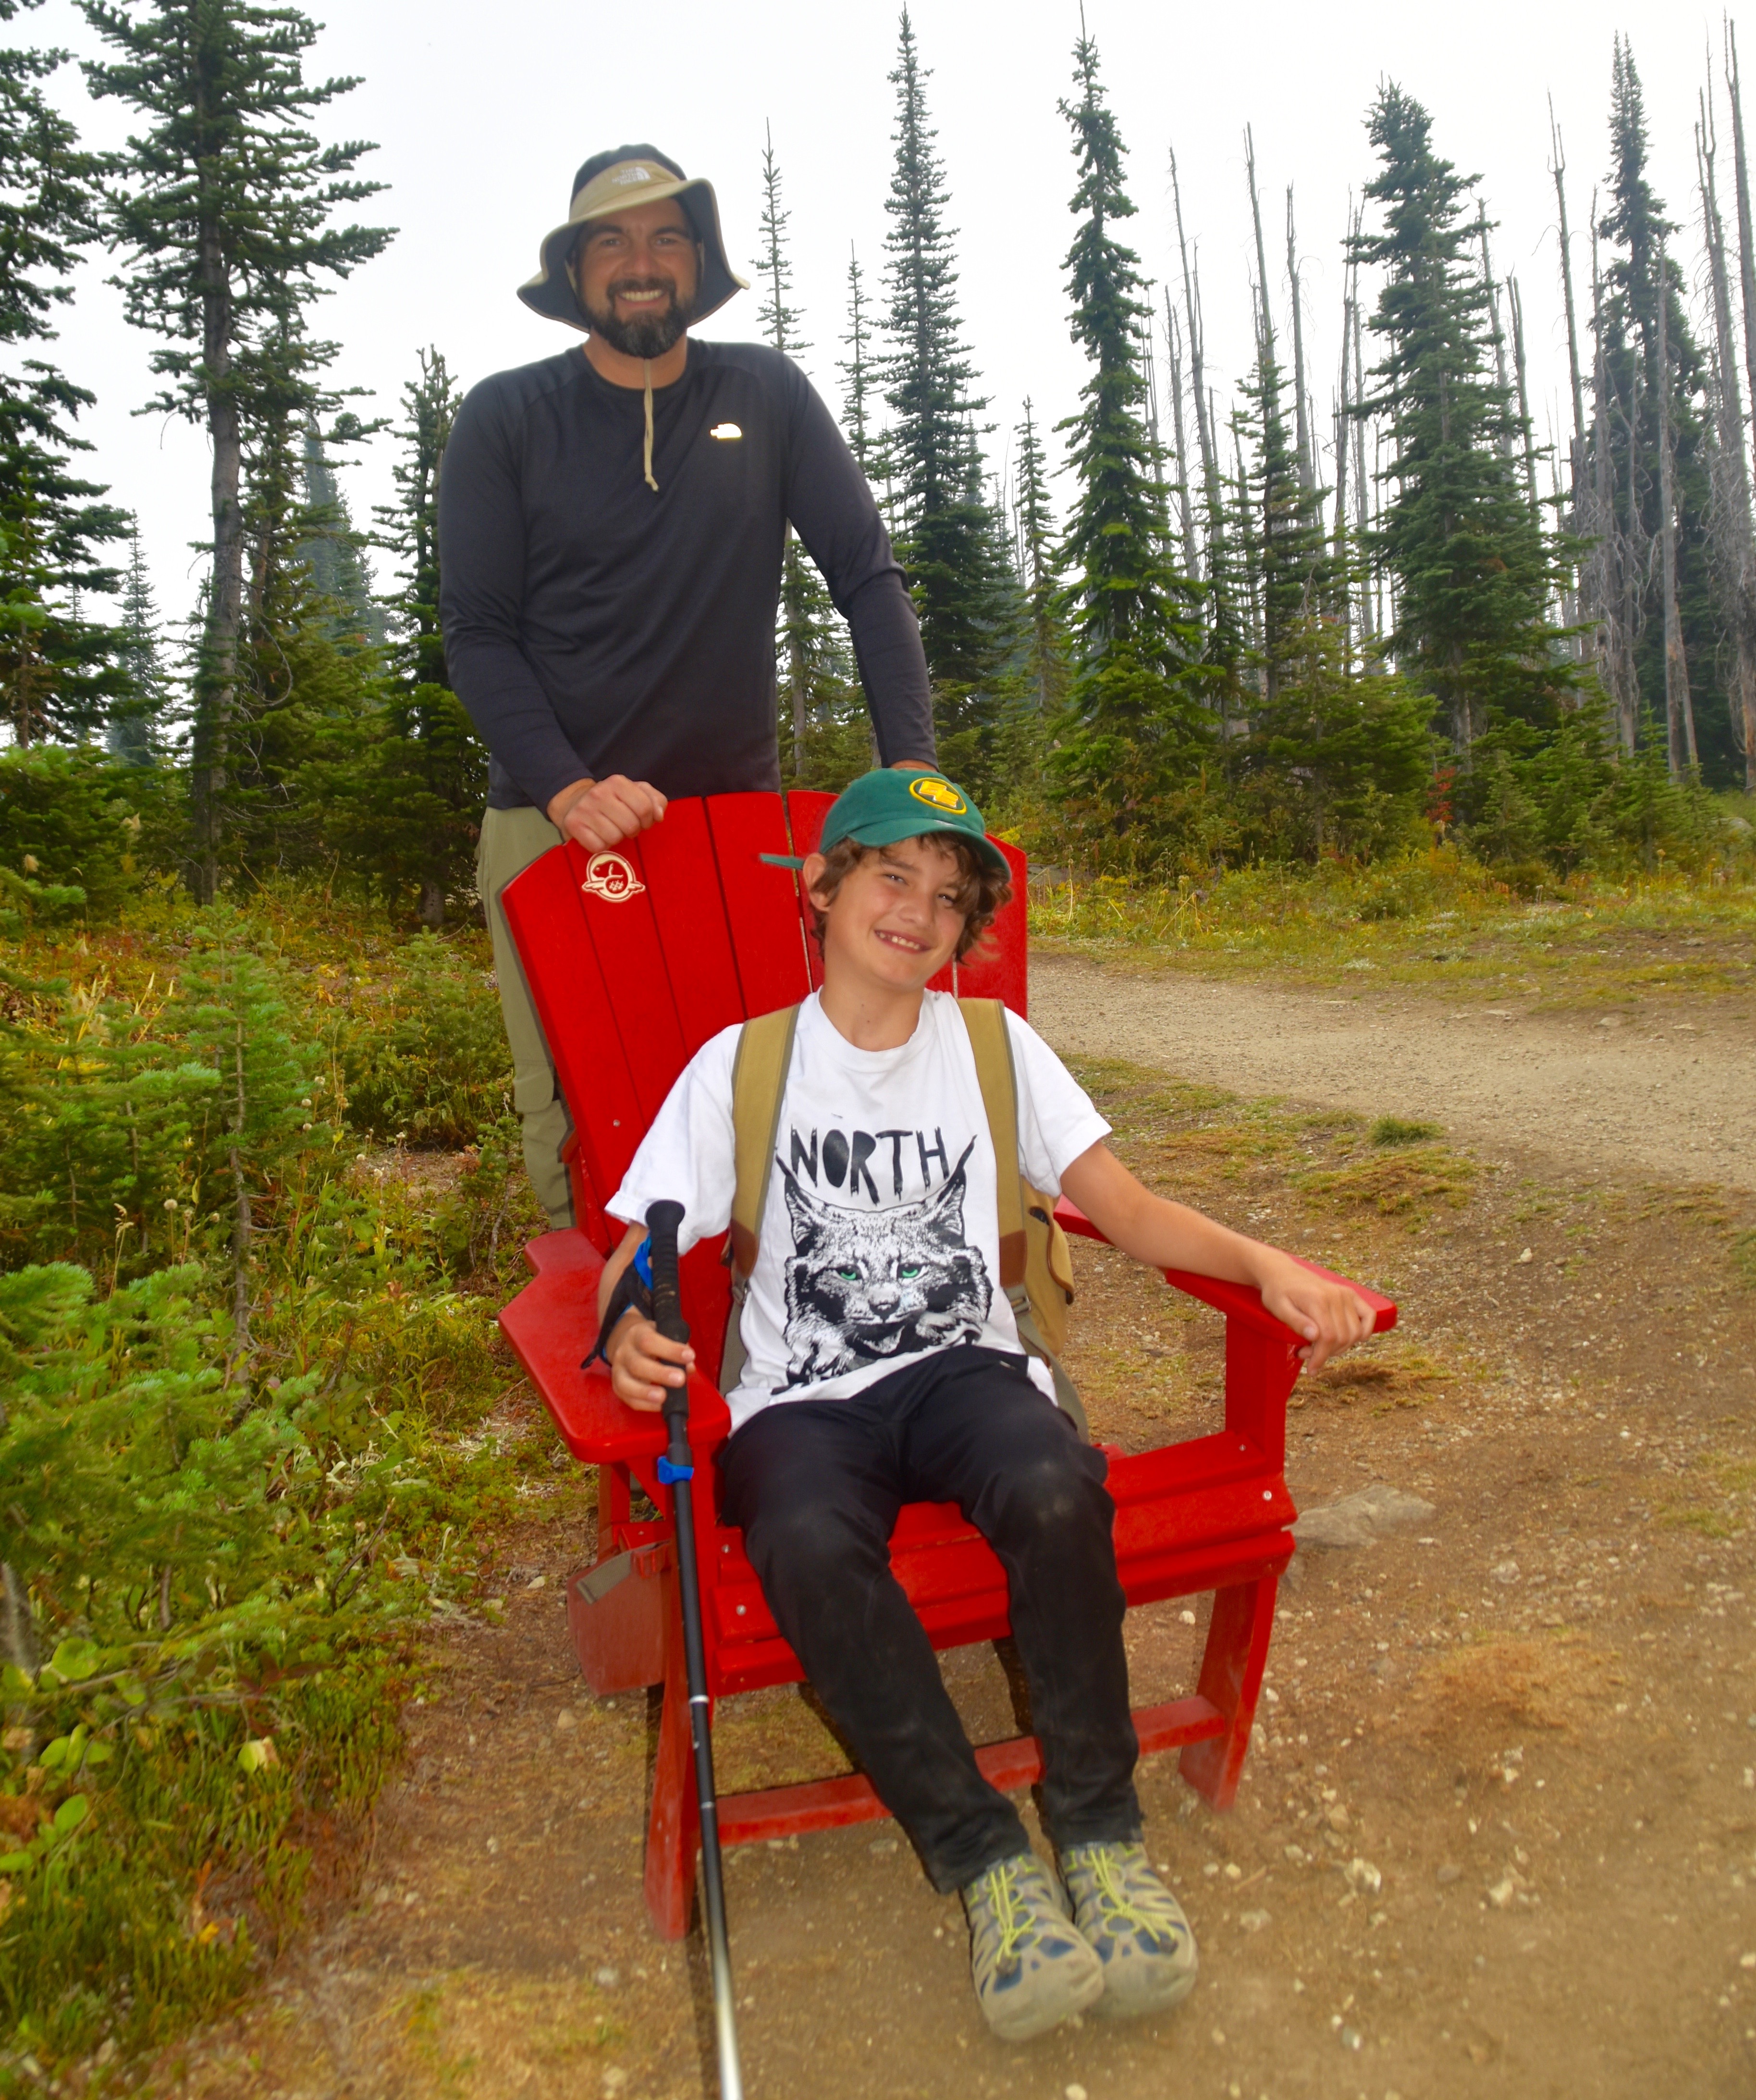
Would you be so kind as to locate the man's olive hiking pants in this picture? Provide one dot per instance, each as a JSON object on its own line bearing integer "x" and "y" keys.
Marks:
{"x": 511, "y": 839}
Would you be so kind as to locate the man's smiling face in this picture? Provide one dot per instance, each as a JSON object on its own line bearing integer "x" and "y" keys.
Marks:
{"x": 636, "y": 272}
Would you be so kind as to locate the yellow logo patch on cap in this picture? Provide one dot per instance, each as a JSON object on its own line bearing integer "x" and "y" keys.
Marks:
{"x": 937, "y": 795}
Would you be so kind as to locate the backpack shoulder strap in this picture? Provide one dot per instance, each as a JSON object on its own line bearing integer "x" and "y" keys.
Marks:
{"x": 985, "y": 1020}
{"x": 758, "y": 1083}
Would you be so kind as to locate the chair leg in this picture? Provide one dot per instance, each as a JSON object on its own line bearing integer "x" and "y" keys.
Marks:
{"x": 1231, "y": 1678}
{"x": 674, "y": 1829}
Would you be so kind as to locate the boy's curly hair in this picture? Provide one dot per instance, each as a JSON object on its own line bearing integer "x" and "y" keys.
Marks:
{"x": 981, "y": 893}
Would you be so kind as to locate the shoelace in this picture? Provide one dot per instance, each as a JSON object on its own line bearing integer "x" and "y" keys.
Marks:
{"x": 1114, "y": 1901}
{"x": 1010, "y": 1914}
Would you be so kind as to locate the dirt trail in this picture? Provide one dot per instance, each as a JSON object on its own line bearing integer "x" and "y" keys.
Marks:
{"x": 1672, "y": 1096}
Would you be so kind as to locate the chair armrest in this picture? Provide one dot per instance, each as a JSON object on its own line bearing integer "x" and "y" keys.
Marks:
{"x": 553, "y": 1327}
{"x": 1261, "y": 1352}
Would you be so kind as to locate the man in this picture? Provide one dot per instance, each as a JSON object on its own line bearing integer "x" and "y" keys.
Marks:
{"x": 611, "y": 527}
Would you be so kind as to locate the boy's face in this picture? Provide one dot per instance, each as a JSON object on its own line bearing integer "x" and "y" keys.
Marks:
{"x": 895, "y": 921}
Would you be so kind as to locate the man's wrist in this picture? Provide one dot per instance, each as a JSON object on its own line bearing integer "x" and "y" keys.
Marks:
{"x": 561, "y": 802}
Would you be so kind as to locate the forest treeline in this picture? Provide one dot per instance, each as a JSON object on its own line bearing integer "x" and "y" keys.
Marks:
{"x": 1275, "y": 630}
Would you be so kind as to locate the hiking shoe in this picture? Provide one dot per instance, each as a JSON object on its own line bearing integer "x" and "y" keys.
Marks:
{"x": 1135, "y": 1926}
{"x": 1032, "y": 1970}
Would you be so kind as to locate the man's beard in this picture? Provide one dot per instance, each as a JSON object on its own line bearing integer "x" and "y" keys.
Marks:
{"x": 651, "y": 334}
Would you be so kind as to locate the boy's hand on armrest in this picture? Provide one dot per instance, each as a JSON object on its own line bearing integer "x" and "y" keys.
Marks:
{"x": 1332, "y": 1317}
{"x": 642, "y": 1364}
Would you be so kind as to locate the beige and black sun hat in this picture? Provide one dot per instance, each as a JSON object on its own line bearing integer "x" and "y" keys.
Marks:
{"x": 631, "y": 174}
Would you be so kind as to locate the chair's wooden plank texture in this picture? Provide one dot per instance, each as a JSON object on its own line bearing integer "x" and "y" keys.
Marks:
{"x": 619, "y": 921}
{"x": 999, "y": 969}
{"x": 806, "y": 808}
{"x": 761, "y": 901}
{"x": 691, "y": 914}
{"x": 545, "y": 912}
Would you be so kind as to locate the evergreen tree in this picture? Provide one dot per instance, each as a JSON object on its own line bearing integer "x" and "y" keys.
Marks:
{"x": 334, "y": 552}
{"x": 1136, "y": 728}
{"x": 859, "y": 379}
{"x": 58, "y": 671}
{"x": 1038, "y": 572}
{"x": 947, "y": 536}
{"x": 403, "y": 799}
{"x": 227, "y": 216}
{"x": 1637, "y": 276}
{"x": 812, "y": 676}
{"x": 137, "y": 720}
{"x": 1473, "y": 573}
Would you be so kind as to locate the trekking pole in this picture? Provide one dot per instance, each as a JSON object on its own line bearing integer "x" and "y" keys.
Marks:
{"x": 677, "y": 1469}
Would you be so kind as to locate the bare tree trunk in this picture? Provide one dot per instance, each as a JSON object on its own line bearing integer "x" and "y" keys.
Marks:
{"x": 18, "y": 1629}
{"x": 1517, "y": 310}
{"x": 1362, "y": 494}
{"x": 1730, "y": 526}
{"x": 1493, "y": 291}
{"x": 1679, "y": 716}
{"x": 216, "y": 688}
{"x": 1264, "y": 324}
{"x": 1186, "y": 508}
{"x": 1746, "y": 244}
{"x": 1307, "y": 443}
{"x": 1209, "y": 464}
{"x": 1557, "y": 169}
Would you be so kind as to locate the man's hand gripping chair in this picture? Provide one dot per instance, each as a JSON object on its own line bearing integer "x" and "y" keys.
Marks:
{"x": 635, "y": 959}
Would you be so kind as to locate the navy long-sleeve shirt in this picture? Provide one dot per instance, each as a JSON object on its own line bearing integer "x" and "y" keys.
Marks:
{"x": 593, "y": 626}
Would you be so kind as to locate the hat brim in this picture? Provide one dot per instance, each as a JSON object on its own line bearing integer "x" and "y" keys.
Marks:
{"x": 550, "y": 292}
{"x": 892, "y": 831}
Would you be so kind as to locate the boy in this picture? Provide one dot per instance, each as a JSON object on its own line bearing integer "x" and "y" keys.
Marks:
{"x": 884, "y": 1366}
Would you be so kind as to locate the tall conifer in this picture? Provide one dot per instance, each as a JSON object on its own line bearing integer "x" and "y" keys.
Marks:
{"x": 946, "y": 530}
{"x": 1040, "y": 572}
{"x": 59, "y": 674}
{"x": 1472, "y": 570}
{"x": 1137, "y": 725}
{"x": 227, "y": 216}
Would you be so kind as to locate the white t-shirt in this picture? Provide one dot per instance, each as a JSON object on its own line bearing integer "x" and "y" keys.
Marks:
{"x": 880, "y": 1239}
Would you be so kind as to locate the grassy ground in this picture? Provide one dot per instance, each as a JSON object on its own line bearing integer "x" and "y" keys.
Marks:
{"x": 1437, "y": 924}
{"x": 163, "y": 1849}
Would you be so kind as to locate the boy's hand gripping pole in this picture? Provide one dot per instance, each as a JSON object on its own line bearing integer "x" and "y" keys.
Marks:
{"x": 676, "y": 1468}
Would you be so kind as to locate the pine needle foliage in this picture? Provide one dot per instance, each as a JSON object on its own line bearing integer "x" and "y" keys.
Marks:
{"x": 1137, "y": 726}
{"x": 946, "y": 530}
{"x": 227, "y": 217}
{"x": 1475, "y": 576}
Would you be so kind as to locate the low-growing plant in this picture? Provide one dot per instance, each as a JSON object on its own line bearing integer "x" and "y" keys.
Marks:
{"x": 431, "y": 1066}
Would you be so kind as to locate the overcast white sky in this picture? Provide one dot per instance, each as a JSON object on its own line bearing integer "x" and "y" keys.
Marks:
{"x": 482, "y": 113}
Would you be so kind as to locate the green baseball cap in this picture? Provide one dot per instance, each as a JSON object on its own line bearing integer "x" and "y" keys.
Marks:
{"x": 884, "y": 807}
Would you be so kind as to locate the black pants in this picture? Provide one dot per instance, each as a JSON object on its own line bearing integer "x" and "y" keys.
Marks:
{"x": 816, "y": 1486}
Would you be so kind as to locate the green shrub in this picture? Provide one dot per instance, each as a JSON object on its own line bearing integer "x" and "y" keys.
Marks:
{"x": 1393, "y": 1130}
{"x": 434, "y": 1069}
{"x": 73, "y": 816}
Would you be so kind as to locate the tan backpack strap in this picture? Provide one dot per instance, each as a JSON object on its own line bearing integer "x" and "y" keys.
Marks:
{"x": 758, "y": 1083}
{"x": 985, "y": 1020}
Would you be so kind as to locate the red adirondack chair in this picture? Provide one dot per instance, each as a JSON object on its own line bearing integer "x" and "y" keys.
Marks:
{"x": 634, "y": 959}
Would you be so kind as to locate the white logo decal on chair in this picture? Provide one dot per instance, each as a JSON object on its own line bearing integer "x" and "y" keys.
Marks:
{"x": 610, "y": 877}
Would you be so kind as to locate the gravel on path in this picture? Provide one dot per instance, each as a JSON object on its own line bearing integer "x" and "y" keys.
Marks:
{"x": 1656, "y": 1095}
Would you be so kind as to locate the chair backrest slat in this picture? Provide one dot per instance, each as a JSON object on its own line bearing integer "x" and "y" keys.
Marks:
{"x": 761, "y": 900}
{"x": 999, "y": 968}
{"x": 690, "y": 911}
{"x": 615, "y": 900}
{"x": 545, "y": 910}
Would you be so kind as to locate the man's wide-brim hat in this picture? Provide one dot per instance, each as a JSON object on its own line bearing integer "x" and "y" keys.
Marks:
{"x": 608, "y": 183}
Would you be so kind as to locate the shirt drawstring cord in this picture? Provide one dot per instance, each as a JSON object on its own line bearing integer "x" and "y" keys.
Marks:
{"x": 646, "y": 366}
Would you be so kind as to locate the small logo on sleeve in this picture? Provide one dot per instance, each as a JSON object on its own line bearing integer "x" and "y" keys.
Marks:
{"x": 610, "y": 877}
{"x": 726, "y": 432}
{"x": 937, "y": 795}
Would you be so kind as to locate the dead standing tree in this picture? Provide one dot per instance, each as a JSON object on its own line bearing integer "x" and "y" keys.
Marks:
{"x": 1729, "y": 532}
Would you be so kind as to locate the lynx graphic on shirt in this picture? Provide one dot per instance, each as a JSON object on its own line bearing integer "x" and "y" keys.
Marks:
{"x": 866, "y": 1287}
